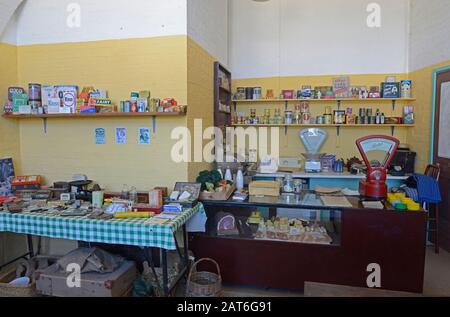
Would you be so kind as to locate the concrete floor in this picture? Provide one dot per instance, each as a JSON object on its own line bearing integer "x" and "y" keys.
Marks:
{"x": 437, "y": 280}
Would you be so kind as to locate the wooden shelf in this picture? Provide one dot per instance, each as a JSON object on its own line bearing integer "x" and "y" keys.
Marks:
{"x": 95, "y": 115}
{"x": 327, "y": 125}
{"x": 45, "y": 117}
{"x": 325, "y": 100}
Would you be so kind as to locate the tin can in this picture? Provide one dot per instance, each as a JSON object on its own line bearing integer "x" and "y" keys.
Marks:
{"x": 320, "y": 120}
{"x": 240, "y": 93}
{"x": 34, "y": 92}
{"x": 140, "y": 107}
{"x": 127, "y": 106}
{"x": 257, "y": 93}
{"x": 288, "y": 117}
{"x": 362, "y": 112}
{"x": 249, "y": 93}
{"x": 35, "y": 105}
{"x": 306, "y": 118}
{"x": 328, "y": 118}
{"x": 133, "y": 107}
{"x": 298, "y": 186}
{"x": 304, "y": 107}
{"x": 406, "y": 88}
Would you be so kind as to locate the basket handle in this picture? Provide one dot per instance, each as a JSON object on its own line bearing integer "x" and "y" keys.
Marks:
{"x": 194, "y": 267}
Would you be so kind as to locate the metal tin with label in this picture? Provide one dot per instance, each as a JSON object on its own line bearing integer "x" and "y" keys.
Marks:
{"x": 257, "y": 93}
{"x": 127, "y": 106}
{"x": 34, "y": 92}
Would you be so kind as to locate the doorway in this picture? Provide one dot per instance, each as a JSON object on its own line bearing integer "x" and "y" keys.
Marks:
{"x": 441, "y": 149}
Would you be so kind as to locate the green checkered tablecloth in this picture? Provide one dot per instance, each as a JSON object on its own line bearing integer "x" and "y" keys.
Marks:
{"x": 135, "y": 232}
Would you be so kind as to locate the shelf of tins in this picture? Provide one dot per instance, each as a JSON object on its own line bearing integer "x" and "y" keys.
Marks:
{"x": 337, "y": 126}
{"x": 45, "y": 117}
{"x": 286, "y": 102}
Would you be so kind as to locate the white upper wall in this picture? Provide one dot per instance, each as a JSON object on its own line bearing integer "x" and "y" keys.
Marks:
{"x": 208, "y": 26}
{"x": 317, "y": 37}
{"x": 7, "y": 9}
{"x": 45, "y": 21}
{"x": 429, "y": 33}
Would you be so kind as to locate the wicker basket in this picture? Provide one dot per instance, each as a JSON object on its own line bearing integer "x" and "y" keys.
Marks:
{"x": 203, "y": 284}
{"x": 7, "y": 290}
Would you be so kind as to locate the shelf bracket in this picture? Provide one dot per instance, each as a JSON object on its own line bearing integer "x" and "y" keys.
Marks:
{"x": 392, "y": 130}
{"x": 45, "y": 123}
{"x": 154, "y": 124}
{"x": 393, "y": 105}
{"x": 339, "y": 104}
{"x": 338, "y": 130}
{"x": 285, "y": 130}
{"x": 235, "y": 106}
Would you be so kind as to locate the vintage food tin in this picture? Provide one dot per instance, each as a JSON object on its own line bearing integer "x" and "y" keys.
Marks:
{"x": 34, "y": 92}
{"x": 406, "y": 86}
{"x": 288, "y": 117}
{"x": 304, "y": 107}
{"x": 257, "y": 93}
{"x": 249, "y": 93}
{"x": 35, "y": 105}
{"x": 306, "y": 118}
{"x": 240, "y": 93}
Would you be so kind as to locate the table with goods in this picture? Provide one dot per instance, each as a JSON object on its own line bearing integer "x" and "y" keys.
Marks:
{"x": 149, "y": 221}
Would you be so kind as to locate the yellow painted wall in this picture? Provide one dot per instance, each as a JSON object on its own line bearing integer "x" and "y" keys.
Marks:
{"x": 419, "y": 137}
{"x": 120, "y": 66}
{"x": 9, "y": 138}
{"x": 9, "y": 130}
{"x": 200, "y": 79}
{"x": 344, "y": 145}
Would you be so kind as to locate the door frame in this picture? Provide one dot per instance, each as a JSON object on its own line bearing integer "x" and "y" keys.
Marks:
{"x": 436, "y": 73}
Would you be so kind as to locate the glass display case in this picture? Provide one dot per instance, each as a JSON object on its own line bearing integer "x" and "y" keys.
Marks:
{"x": 276, "y": 219}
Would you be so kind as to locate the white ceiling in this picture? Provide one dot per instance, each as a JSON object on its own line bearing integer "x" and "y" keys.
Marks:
{"x": 7, "y": 9}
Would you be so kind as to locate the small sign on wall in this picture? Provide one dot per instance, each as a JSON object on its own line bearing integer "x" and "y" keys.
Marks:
{"x": 100, "y": 134}
{"x": 121, "y": 136}
{"x": 144, "y": 136}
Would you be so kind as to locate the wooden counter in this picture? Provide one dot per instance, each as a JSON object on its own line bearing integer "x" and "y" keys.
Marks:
{"x": 394, "y": 240}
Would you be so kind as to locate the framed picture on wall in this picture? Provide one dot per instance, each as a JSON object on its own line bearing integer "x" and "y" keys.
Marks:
{"x": 6, "y": 176}
{"x": 390, "y": 90}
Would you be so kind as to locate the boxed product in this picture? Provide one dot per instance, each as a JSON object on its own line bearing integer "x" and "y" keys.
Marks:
{"x": 18, "y": 101}
{"x": 14, "y": 91}
{"x": 48, "y": 92}
{"x": 264, "y": 188}
{"x": 53, "y": 282}
{"x": 68, "y": 96}
{"x": 26, "y": 182}
{"x": 341, "y": 87}
{"x": 53, "y": 105}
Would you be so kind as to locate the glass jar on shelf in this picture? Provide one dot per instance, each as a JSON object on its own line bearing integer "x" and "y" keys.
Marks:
{"x": 288, "y": 184}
